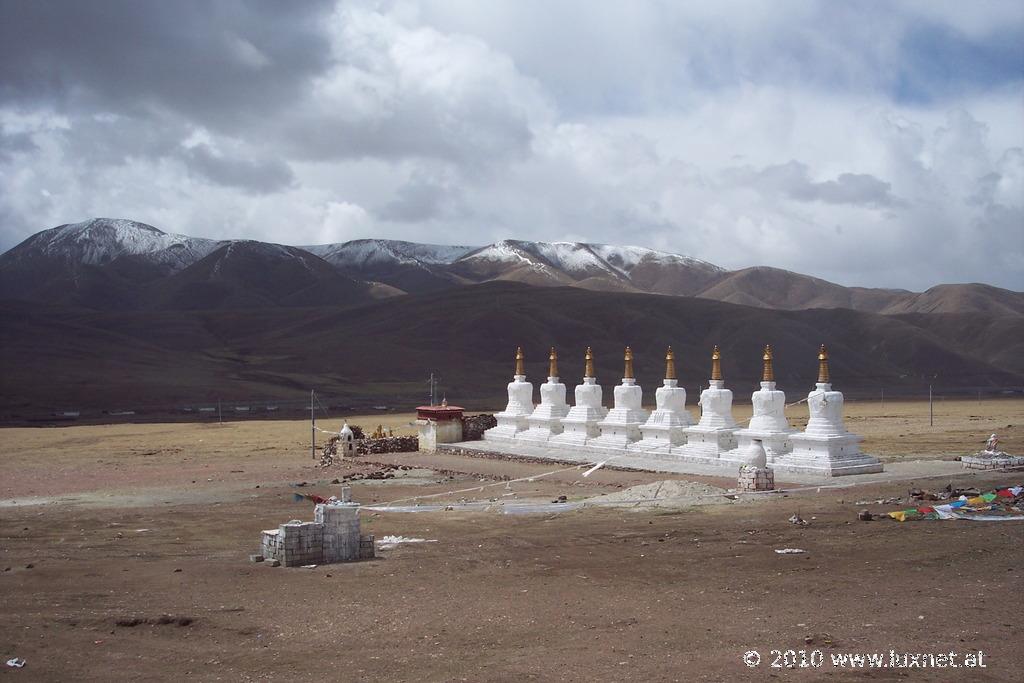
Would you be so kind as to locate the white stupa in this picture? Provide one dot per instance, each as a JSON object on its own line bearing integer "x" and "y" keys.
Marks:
{"x": 621, "y": 426}
{"x": 580, "y": 424}
{"x": 546, "y": 419}
{"x": 825, "y": 445}
{"x": 664, "y": 427}
{"x": 769, "y": 424}
{"x": 714, "y": 434}
{"x": 513, "y": 419}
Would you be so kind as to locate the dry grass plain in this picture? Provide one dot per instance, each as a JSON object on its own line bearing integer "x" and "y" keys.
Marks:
{"x": 124, "y": 523}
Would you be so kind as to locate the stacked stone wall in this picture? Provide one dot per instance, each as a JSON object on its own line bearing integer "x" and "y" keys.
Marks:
{"x": 755, "y": 479}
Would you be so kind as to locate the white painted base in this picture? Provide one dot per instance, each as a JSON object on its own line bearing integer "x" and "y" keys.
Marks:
{"x": 833, "y": 455}
{"x": 658, "y": 439}
{"x": 576, "y": 433}
{"x": 541, "y": 430}
{"x": 707, "y": 442}
{"x": 616, "y": 435}
{"x": 546, "y": 419}
{"x": 508, "y": 427}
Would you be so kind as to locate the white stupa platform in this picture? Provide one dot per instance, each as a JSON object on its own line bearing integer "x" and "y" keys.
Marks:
{"x": 621, "y": 426}
{"x": 826, "y": 445}
{"x": 664, "y": 441}
{"x": 546, "y": 420}
{"x": 664, "y": 428}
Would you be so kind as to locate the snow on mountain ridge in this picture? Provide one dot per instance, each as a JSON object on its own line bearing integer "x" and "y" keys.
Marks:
{"x": 101, "y": 240}
{"x": 367, "y": 252}
{"x": 582, "y": 259}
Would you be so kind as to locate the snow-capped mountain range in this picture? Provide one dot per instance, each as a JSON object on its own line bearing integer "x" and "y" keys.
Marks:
{"x": 110, "y": 263}
{"x": 101, "y": 240}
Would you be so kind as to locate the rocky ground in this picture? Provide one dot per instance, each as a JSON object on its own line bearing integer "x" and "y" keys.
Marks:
{"x": 123, "y": 555}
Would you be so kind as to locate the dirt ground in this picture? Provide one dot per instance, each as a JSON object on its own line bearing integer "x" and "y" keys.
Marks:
{"x": 124, "y": 556}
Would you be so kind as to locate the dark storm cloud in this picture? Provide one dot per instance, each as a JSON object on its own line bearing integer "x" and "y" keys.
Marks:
{"x": 213, "y": 61}
{"x": 10, "y": 143}
{"x": 793, "y": 180}
{"x": 252, "y": 176}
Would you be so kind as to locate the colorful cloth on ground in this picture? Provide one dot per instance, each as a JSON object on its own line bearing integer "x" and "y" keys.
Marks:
{"x": 1004, "y": 504}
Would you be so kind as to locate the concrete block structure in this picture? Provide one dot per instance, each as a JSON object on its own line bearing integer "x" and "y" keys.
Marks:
{"x": 332, "y": 536}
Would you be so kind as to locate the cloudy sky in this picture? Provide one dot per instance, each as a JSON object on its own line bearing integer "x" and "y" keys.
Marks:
{"x": 870, "y": 143}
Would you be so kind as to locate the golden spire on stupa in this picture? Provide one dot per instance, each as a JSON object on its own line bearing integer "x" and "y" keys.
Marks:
{"x": 670, "y": 364}
{"x": 768, "y": 375}
{"x": 823, "y": 365}
{"x": 627, "y": 372}
{"x": 588, "y": 366}
{"x": 519, "y": 361}
{"x": 716, "y": 363}
{"x": 553, "y": 363}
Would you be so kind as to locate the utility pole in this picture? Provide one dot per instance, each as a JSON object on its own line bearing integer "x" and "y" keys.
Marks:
{"x": 433, "y": 390}
{"x": 883, "y": 398}
{"x": 931, "y": 409}
{"x": 312, "y": 425}
{"x": 220, "y": 416}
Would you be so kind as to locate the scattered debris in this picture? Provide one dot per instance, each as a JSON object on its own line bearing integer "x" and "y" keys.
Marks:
{"x": 389, "y": 542}
{"x": 162, "y": 620}
{"x": 256, "y": 558}
{"x": 865, "y": 516}
{"x": 1006, "y": 504}
{"x": 789, "y": 551}
{"x": 16, "y": 662}
{"x": 881, "y": 501}
{"x": 798, "y": 520}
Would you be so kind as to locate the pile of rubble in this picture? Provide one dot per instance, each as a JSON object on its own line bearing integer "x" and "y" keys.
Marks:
{"x": 474, "y": 426}
{"x": 386, "y": 471}
{"x": 388, "y": 444}
{"x": 329, "y": 452}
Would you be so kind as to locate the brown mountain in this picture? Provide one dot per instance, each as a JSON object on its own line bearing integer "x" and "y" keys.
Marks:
{"x": 155, "y": 361}
{"x": 247, "y": 274}
{"x": 112, "y": 264}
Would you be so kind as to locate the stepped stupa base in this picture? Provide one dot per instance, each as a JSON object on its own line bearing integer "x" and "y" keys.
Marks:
{"x": 658, "y": 440}
{"x": 540, "y": 430}
{"x": 508, "y": 428}
{"x": 832, "y": 455}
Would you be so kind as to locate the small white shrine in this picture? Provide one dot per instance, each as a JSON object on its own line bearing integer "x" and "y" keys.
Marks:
{"x": 666, "y": 439}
